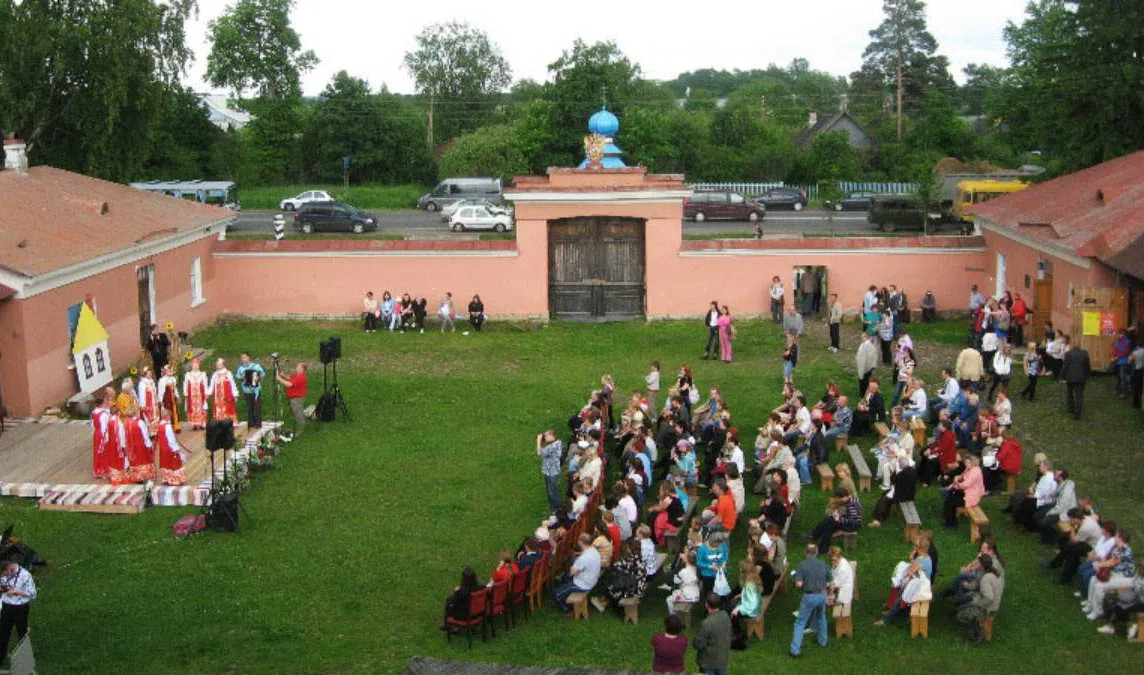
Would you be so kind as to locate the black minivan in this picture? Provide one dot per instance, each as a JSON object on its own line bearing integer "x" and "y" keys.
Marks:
{"x": 332, "y": 217}
{"x": 895, "y": 212}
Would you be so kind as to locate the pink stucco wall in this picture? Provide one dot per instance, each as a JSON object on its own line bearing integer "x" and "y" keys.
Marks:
{"x": 34, "y": 331}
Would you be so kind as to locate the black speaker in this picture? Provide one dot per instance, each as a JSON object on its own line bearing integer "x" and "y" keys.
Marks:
{"x": 223, "y": 515}
{"x": 220, "y": 435}
{"x": 326, "y": 408}
{"x": 330, "y": 350}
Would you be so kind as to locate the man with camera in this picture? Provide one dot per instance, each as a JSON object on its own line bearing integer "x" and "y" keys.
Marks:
{"x": 17, "y": 589}
{"x": 296, "y": 395}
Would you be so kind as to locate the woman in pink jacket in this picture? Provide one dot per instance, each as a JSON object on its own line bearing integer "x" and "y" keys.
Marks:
{"x": 966, "y": 490}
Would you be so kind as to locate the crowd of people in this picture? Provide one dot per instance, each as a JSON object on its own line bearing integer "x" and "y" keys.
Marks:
{"x": 408, "y": 314}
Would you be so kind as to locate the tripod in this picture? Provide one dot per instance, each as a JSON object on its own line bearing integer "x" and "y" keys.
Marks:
{"x": 334, "y": 390}
{"x": 277, "y": 399}
{"x": 218, "y": 495}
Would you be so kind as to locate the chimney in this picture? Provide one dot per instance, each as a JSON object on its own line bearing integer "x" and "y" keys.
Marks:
{"x": 15, "y": 155}
{"x": 813, "y": 119}
{"x": 843, "y": 103}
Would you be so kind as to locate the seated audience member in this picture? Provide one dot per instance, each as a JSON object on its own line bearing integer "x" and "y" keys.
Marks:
{"x": 735, "y": 486}
{"x": 844, "y": 514}
{"x": 712, "y": 556}
{"x": 946, "y": 395}
{"x": 582, "y": 576}
{"x": 387, "y": 311}
{"x": 1003, "y": 408}
{"x": 1043, "y": 493}
{"x": 841, "y": 421}
{"x": 1119, "y": 607}
{"x": 457, "y": 604}
{"x": 667, "y": 514}
{"x": 723, "y": 507}
{"x": 407, "y": 319}
{"x": 669, "y": 649}
{"x": 843, "y": 479}
{"x": 602, "y": 542}
{"x": 579, "y": 498}
{"x": 966, "y": 490}
{"x": 747, "y": 603}
{"x": 869, "y": 411}
{"x": 1113, "y": 574}
{"x": 686, "y": 582}
{"x": 627, "y": 578}
{"x": 506, "y": 568}
{"x": 967, "y": 577}
{"x": 985, "y": 600}
{"x": 684, "y": 465}
{"x": 476, "y": 313}
{"x": 1099, "y": 552}
{"x": 777, "y": 506}
{"x": 916, "y": 405}
{"x": 940, "y": 455}
{"x": 1080, "y": 539}
{"x": 903, "y": 488}
{"x": 963, "y": 414}
{"x": 910, "y": 585}
{"x": 1048, "y": 520}
{"x": 528, "y": 556}
{"x": 1008, "y": 461}
{"x": 647, "y": 550}
{"x": 841, "y": 586}
{"x": 983, "y": 432}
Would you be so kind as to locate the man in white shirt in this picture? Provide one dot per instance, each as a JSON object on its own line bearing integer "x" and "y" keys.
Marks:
{"x": 866, "y": 361}
{"x": 1083, "y": 536}
{"x": 917, "y": 406}
{"x": 776, "y": 300}
{"x": 948, "y": 391}
{"x": 841, "y": 579}
{"x": 582, "y": 576}
{"x": 834, "y": 320}
{"x": 17, "y": 590}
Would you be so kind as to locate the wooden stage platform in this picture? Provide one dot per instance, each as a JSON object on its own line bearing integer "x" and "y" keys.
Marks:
{"x": 50, "y": 460}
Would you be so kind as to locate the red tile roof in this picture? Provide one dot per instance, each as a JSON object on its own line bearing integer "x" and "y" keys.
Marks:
{"x": 1097, "y": 212}
{"x": 51, "y": 218}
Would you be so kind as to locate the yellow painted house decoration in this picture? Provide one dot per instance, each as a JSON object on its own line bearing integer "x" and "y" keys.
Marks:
{"x": 92, "y": 358}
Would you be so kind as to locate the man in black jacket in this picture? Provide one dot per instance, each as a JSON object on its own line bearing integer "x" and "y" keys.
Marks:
{"x": 711, "y": 320}
{"x": 904, "y": 484}
{"x": 871, "y": 409}
{"x": 1075, "y": 369}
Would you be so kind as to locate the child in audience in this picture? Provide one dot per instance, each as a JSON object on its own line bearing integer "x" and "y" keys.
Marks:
{"x": 647, "y": 550}
{"x": 652, "y": 382}
{"x": 686, "y": 583}
{"x": 505, "y": 569}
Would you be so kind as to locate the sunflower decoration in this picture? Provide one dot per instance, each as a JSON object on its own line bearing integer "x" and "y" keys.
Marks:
{"x": 594, "y": 145}
{"x": 134, "y": 371}
{"x": 170, "y": 327}
{"x": 187, "y": 355}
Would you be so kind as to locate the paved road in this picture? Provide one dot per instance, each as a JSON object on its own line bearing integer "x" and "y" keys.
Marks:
{"x": 422, "y": 223}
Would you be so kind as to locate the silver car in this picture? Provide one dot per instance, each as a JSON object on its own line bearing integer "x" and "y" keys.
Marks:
{"x": 448, "y": 211}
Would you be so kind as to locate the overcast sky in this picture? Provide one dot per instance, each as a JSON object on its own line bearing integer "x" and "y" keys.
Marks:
{"x": 368, "y": 38}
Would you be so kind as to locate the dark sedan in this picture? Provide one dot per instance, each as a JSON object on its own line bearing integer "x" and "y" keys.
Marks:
{"x": 855, "y": 201}
{"x": 783, "y": 198}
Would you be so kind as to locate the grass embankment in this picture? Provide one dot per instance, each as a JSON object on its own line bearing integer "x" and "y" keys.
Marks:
{"x": 362, "y": 529}
{"x": 367, "y": 197}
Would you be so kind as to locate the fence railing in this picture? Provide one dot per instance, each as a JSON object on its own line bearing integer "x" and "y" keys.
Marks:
{"x": 752, "y": 189}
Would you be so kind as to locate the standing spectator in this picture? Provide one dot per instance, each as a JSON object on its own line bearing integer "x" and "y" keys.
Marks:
{"x": 582, "y": 576}
{"x": 1121, "y": 362}
{"x": 445, "y": 311}
{"x": 835, "y": 321}
{"x": 886, "y": 335}
{"x": 1032, "y": 371}
{"x": 811, "y": 576}
{"x": 726, "y": 334}
{"x": 808, "y": 286}
{"x": 713, "y": 641}
{"x": 476, "y": 313}
{"x": 670, "y": 648}
{"x": 929, "y": 307}
{"x": 1137, "y": 361}
{"x": 550, "y": 450}
{"x": 970, "y": 368}
{"x": 711, "y": 321}
{"x": 159, "y": 347}
{"x": 790, "y": 357}
{"x": 1075, "y": 369}
{"x": 369, "y": 312}
{"x": 792, "y": 322}
{"x": 652, "y": 382}
{"x": 1055, "y": 348}
{"x": 776, "y": 300}
{"x": 1002, "y": 368}
{"x": 1020, "y": 316}
{"x": 19, "y": 589}
{"x": 296, "y": 395}
{"x": 249, "y": 376}
{"x": 866, "y": 361}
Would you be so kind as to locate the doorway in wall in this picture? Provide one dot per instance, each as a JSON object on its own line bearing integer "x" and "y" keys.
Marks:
{"x": 596, "y": 268}
{"x": 810, "y": 289}
{"x": 145, "y": 280}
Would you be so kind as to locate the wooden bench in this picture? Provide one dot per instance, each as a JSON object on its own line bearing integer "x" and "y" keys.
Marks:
{"x": 671, "y": 539}
{"x": 579, "y": 602}
{"x": 987, "y": 627}
{"x": 826, "y": 474}
{"x": 913, "y": 521}
{"x": 683, "y": 610}
{"x": 840, "y": 441}
{"x": 918, "y": 429}
{"x": 757, "y": 625}
{"x": 919, "y": 619}
{"x": 882, "y": 429}
{"x": 1139, "y": 639}
{"x": 978, "y": 522}
{"x": 843, "y": 621}
{"x": 631, "y": 609}
{"x": 849, "y": 540}
{"x": 1010, "y": 483}
{"x": 861, "y": 468}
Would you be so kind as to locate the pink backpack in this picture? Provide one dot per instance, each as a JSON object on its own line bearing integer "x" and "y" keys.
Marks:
{"x": 189, "y": 524}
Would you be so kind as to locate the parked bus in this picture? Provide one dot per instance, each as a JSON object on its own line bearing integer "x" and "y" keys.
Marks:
{"x": 976, "y": 191}
{"x": 218, "y": 192}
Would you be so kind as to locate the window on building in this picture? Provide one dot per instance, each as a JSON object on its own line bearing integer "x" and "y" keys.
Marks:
{"x": 197, "y": 282}
{"x": 100, "y": 361}
{"x": 87, "y": 373}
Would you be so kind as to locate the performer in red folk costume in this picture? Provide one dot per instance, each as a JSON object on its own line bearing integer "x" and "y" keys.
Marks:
{"x": 140, "y": 456}
{"x": 117, "y": 448}
{"x": 101, "y": 460}
{"x": 148, "y": 400}
{"x": 224, "y": 392}
{"x": 169, "y": 395}
{"x": 195, "y": 388}
{"x": 170, "y": 457}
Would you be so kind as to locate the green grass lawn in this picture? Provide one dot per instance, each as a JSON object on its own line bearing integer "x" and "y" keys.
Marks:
{"x": 369, "y": 197}
{"x": 361, "y": 531}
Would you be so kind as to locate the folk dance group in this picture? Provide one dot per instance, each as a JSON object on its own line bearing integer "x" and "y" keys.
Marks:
{"x": 128, "y": 427}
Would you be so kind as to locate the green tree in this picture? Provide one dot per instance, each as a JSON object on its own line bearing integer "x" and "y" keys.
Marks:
{"x": 582, "y": 79}
{"x": 83, "y": 82}
{"x": 254, "y": 47}
{"x": 274, "y": 150}
{"x": 383, "y": 135}
{"x": 902, "y": 54}
{"x": 982, "y": 82}
{"x": 460, "y": 73}
{"x": 493, "y": 150}
{"x": 182, "y": 139}
{"x": 832, "y": 158}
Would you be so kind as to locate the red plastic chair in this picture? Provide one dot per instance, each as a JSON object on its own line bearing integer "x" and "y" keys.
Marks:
{"x": 478, "y": 608}
{"x": 538, "y": 580}
{"x": 518, "y": 590}
{"x": 498, "y": 604}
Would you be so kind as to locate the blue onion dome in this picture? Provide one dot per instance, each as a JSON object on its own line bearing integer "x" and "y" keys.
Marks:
{"x": 604, "y": 123}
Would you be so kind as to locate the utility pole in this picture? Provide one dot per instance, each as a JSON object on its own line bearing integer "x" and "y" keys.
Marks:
{"x": 429, "y": 138}
{"x": 899, "y": 98}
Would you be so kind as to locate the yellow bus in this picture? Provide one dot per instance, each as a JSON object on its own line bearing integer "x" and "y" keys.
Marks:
{"x": 977, "y": 191}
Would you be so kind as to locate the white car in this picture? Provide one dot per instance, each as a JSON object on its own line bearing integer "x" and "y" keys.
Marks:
{"x": 294, "y": 203}
{"x": 448, "y": 210}
{"x": 479, "y": 218}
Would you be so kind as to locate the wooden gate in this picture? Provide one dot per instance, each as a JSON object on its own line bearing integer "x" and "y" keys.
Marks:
{"x": 596, "y": 268}
{"x": 1042, "y": 308}
{"x": 1097, "y": 314}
